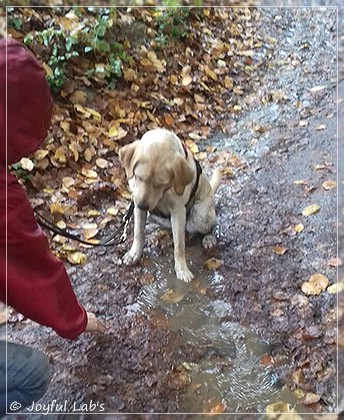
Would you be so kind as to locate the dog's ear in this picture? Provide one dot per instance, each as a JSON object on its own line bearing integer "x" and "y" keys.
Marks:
{"x": 127, "y": 158}
{"x": 182, "y": 174}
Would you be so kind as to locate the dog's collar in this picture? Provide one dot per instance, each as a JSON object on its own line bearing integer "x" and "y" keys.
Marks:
{"x": 185, "y": 149}
{"x": 189, "y": 204}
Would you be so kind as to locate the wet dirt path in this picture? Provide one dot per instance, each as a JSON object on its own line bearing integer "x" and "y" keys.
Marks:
{"x": 157, "y": 351}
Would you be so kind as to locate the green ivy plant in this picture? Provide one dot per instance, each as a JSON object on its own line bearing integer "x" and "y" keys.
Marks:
{"x": 95, "y": 40}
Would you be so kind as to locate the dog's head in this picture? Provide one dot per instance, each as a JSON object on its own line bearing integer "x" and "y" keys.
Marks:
{"x": 152, "y": 168}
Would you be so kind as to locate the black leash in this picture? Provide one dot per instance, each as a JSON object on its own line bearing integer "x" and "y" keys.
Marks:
{"x": 112, "y": 240}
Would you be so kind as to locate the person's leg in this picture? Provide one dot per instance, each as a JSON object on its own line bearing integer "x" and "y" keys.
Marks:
{"x": 28, "y": 376}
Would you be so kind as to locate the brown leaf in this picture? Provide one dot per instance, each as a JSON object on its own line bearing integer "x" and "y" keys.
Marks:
{"x": 279, "y": 250}
{"x": 213, "y": 264}
{"x": 316, "y": 284}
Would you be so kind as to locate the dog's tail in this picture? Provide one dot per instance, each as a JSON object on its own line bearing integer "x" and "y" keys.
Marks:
{"x": 216, "y": 180}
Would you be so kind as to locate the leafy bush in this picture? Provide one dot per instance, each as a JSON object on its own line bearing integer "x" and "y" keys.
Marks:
{"x": 75, "y": 32}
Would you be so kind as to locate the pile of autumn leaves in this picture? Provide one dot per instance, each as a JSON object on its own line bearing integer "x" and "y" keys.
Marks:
{"x": 192, "y": 86}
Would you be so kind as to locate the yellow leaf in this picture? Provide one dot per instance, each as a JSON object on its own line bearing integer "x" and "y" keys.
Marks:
{"x": 95, "y": 114}
{"x": 48, "y": 70}
{"x": 158, "y": 64}
{"x": 192, "y": 146}
{"x": 199, "y": 98}
{"x": 173, "y": 79}
{"x": 74, "y": 148}
{"x": 65, "y": 125}
{"x": 61, "y": 224}
{"x": 329, "y": 185}
{"x": 316, "y": 284}
{"x": 229, "y": 82}
{"x": 93, "y": 213}
{"x": 90, "y": 233}
{"x": 56, "y": 208}
{"x": 312, "y": 209}
{"x": 41, "y": 154}
{"x": 213, "y": 264}
{"x": 194, "y": 136}
{"x": 187, "y": 79}
{"x": 130, "y": 75}
{"x": 88, "y": 154}
{"x": 172, "y": 297}
{"x": 210, "y": 73}
{"x": 60, "y": 154}
{"x": 117, "y": 132}
{"x": 89, "y": 173}
{"x": 77, "y": 258}
{"x": 26, "y": 164}
{"x": 278, "y": 407}
{"x": 298, "y": 228}
{"x": 335, "y": 288}
{"x": 102, "y": 163}
{"x": 67, "y": 181}
{"x": 112, "y": 211}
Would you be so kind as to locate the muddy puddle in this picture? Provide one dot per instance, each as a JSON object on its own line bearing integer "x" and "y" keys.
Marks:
{"x": 227, "y": 374}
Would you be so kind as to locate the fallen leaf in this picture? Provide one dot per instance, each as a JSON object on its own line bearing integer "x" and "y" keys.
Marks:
{"x": 187, "y": 79}
{"x": 317, "y": 88}
{"x": 56, "y": 208}
{"x": 310, "y": 398}
{"x": 229, "y": 83}
{"x": 265, "y": 360}
{"x": 298, "y": 228}
{"x": 191, "y": 146}
{"x": 218, "y": 408}
{"x": 26, "y": 164}
{"x": 329, "y": 185}
{"x": 278, "y": 407}
{"x": 41, "y": 154}
{"x": 279, "y": 250}
{"x": 210, "y": 73}
{"x": 61, "y": 224}
{"x": 102, "y": 163}
{"x": 93, "y": 213}
{"x": 312, "y": 209}
{"x": 77, "y": 258}
{"x": 89, "y": 173}
{"x": 335, "y": 288}
{"x": 172, "y": 297}
{"x": 78, "y": 97}
{"x": 316, "y": 284}
{"x": 213, "y": 264}
{"x": 112, "y": 211}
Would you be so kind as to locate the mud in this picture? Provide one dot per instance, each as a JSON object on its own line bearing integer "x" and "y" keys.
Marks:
{"x": 156, "y": 351}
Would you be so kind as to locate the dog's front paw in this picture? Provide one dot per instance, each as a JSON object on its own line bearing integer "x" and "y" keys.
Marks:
{"x": 183, "y": 273}
{"x": 209, "y": 241}
{"x": 131, "y": 257}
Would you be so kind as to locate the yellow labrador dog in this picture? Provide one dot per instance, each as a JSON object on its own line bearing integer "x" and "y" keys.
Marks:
{"x": 168, "y": 182}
